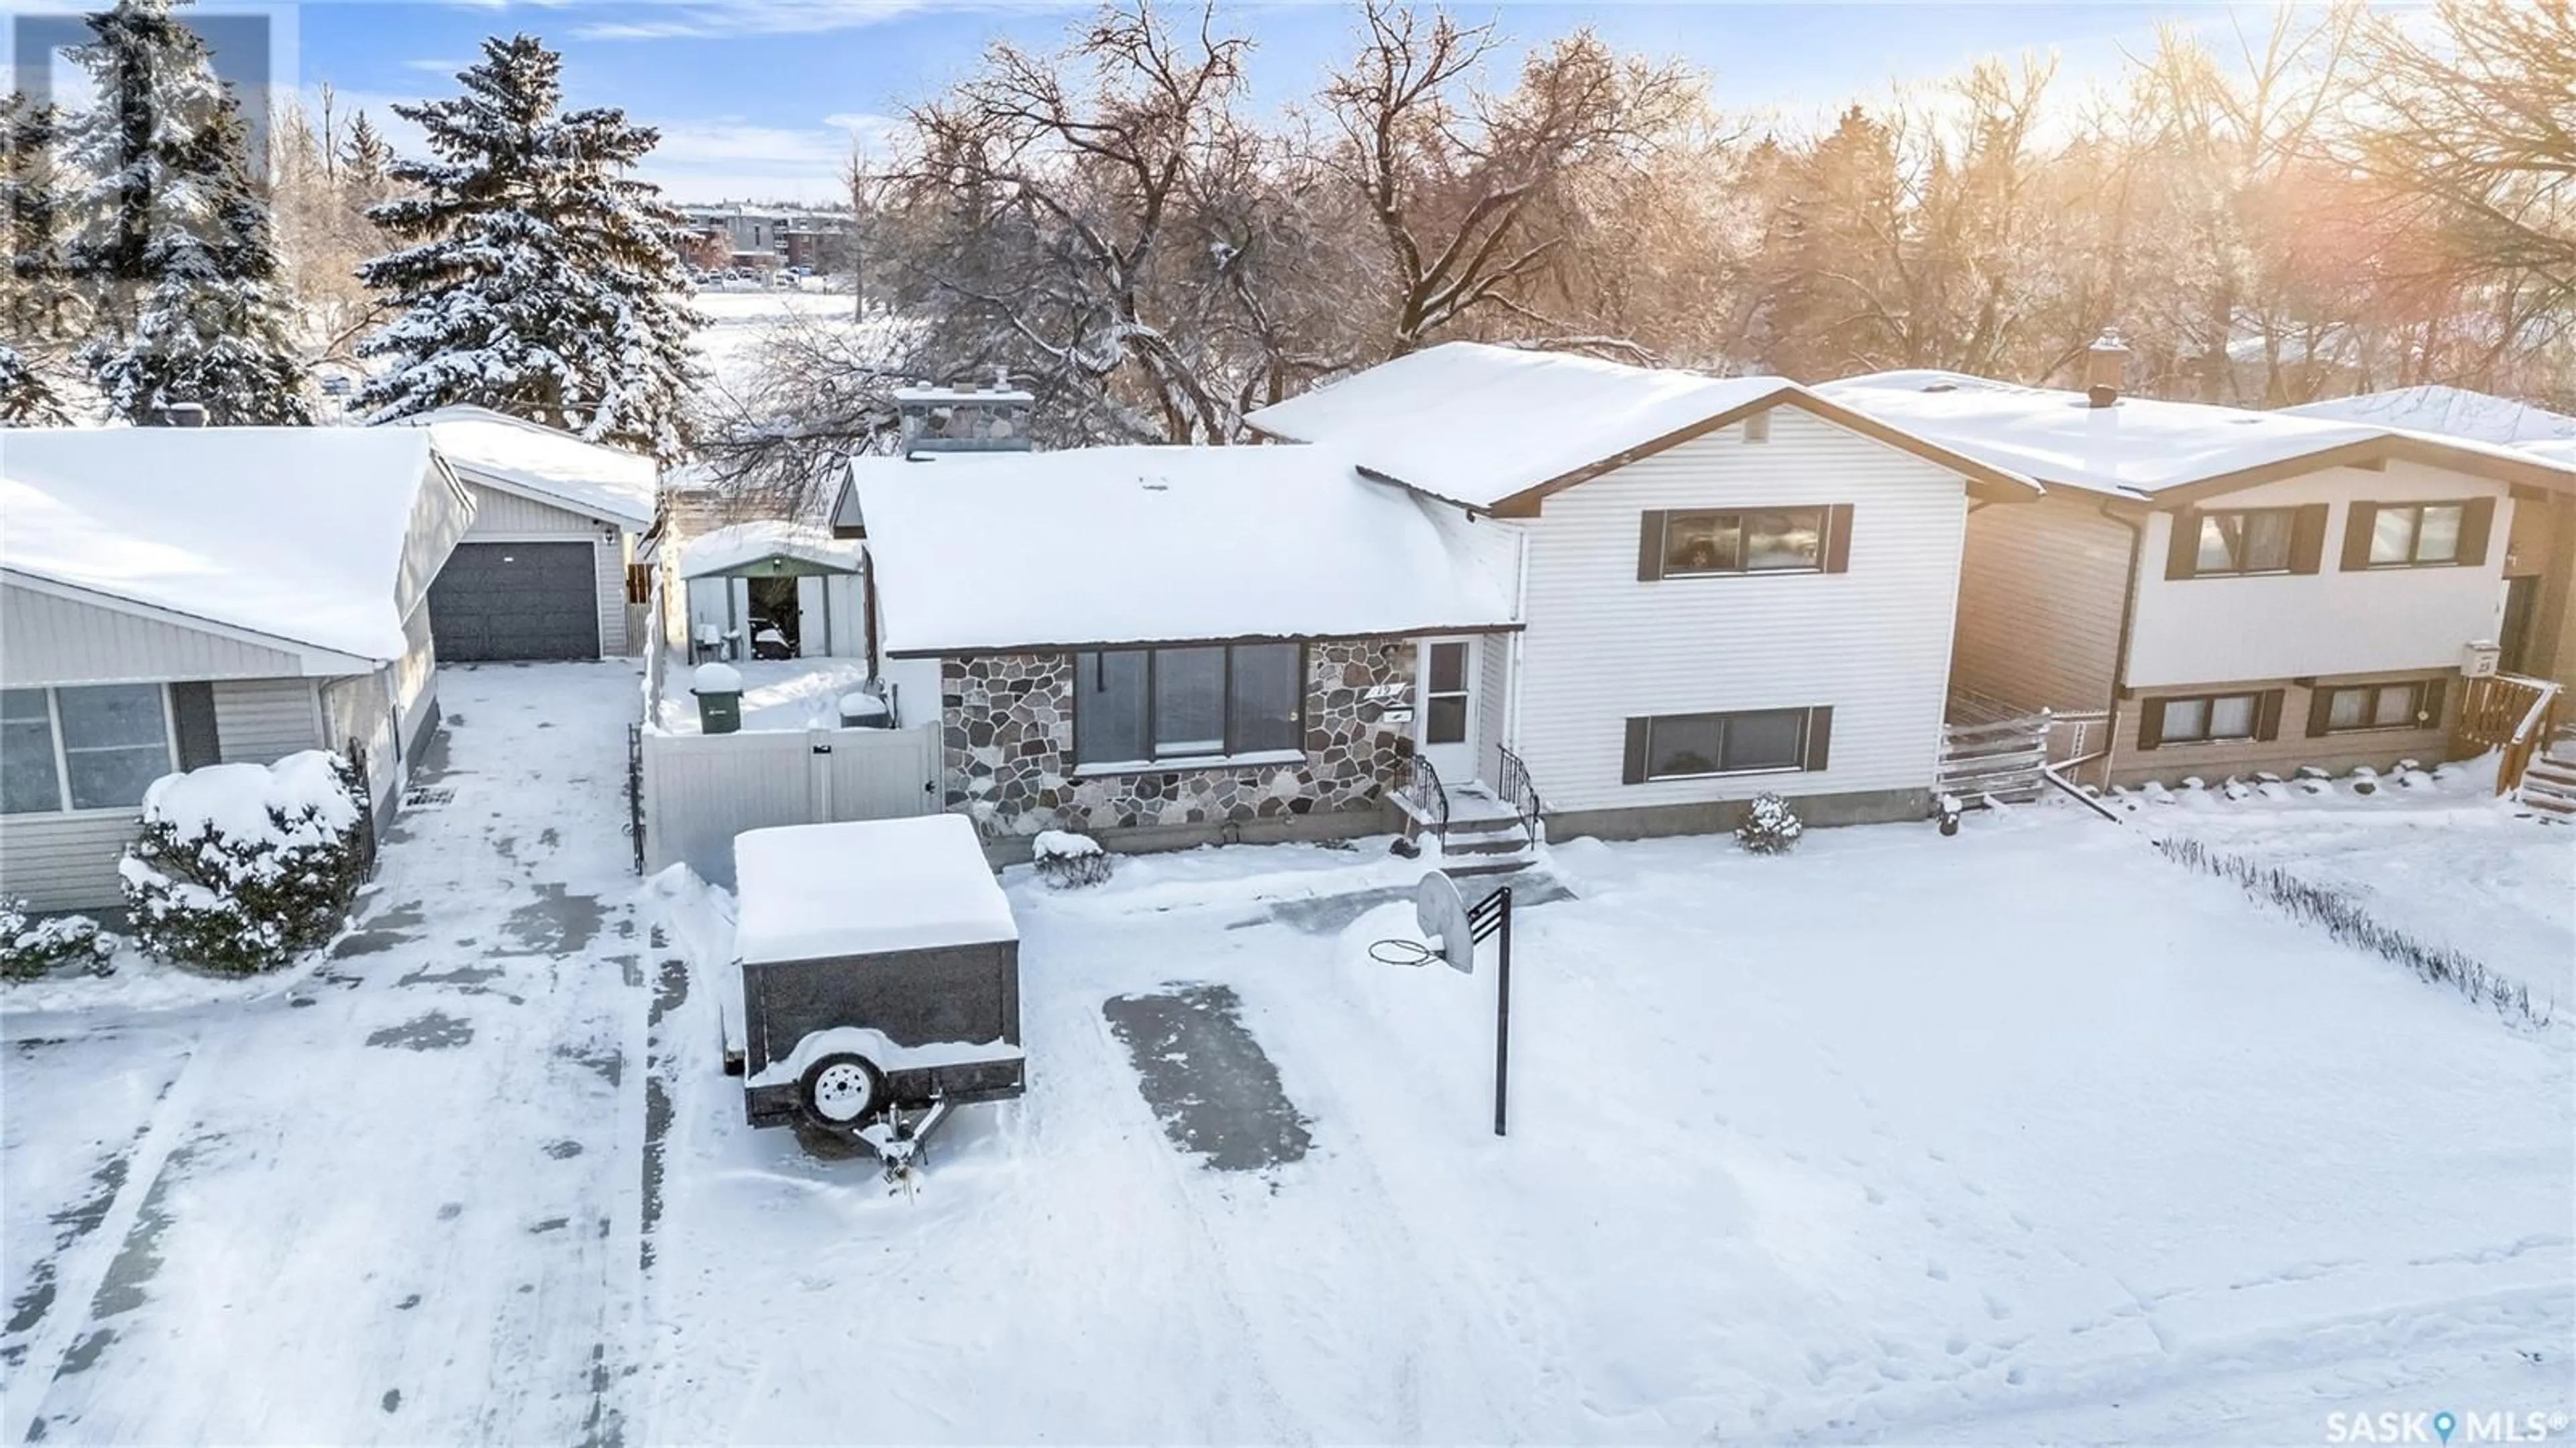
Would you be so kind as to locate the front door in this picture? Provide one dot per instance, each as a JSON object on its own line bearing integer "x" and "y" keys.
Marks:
{"x": 1444, "y": 715}
{"x": 2519, "y": 596}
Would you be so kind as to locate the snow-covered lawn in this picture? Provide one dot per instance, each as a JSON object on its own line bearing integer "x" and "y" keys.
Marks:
{"x": 2445, "y": 862}
{"x": 2025, "y": 1135}
{"x": 776, "y": 694}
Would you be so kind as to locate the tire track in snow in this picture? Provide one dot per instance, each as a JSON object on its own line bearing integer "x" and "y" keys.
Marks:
{"x": 77, "y": 1290}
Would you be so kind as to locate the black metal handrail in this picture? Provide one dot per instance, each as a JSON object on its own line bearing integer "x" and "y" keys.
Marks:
{"x": 1430, "y": 799}
{"x": 1513, "y": 783}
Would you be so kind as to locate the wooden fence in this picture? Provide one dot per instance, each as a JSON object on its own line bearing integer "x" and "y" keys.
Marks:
{"x": 2512, "y": 715}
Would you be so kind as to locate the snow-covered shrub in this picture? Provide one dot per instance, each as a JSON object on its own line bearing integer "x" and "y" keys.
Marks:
{"x": 32, "y": 948}
{"x": 241, "y": 867}
{"x": 1069, "y": 861}
{"x": 2235, "y": 788}
{"x": 2362, "y": 780}
{"x": 1770, "y": 827}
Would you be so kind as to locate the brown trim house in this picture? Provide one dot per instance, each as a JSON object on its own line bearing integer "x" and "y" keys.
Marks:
{"x": 2238, "y": 592}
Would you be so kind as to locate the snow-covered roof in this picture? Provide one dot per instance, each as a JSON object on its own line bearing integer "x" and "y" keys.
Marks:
{"x": 807, "y": 892}
{"x": 552, "y": 466}
{"x": 1477, "y": 424}
{"x": 2138, "y": 447}
{"x": 1133, "y": 545}
{"x": 738, "y": 544}
{"x": 2449, "y": 411}
{"x": 294, "y": 533}
{"x": 2561, "y": 453}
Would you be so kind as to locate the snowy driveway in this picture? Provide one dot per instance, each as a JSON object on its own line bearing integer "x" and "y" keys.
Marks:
{"x": 396, "y": 1201}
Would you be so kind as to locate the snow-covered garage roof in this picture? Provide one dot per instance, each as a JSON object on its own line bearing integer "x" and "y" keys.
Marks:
{"x": 541, "y": 462}
{"x": 2144, "y": 448}
{"x": 979, "y": 552}
{"x": 1484, "y": 426}
{"x": 810, "y": 892}
{"x": 295, "y": 533}
{"x": 738, "y": 544}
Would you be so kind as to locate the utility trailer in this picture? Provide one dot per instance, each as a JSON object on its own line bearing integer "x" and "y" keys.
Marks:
{"x": 880, "y": 979}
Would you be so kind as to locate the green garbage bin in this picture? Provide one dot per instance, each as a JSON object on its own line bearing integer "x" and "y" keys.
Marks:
{"x": 718, "y": 688}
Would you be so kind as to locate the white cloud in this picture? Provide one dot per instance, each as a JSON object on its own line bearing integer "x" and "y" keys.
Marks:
{"x": 437, "y": 67}
{"x": 689, "y": 20}
{"x": 728, "y": 158}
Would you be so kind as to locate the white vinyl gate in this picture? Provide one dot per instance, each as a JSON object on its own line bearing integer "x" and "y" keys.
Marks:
{"x": 697, "y": 791}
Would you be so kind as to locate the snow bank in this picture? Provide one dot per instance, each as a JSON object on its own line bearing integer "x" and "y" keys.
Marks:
{"x": 292, "y": 532}
{"x": 812, "y": 891}
{"x": 1244, "y": 542}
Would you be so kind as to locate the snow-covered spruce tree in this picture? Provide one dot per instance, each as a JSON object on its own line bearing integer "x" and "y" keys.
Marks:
{"x": 242, "y": 867}
{"x": 40, "y": 309}
{"x": 172, "y": 233}
{"x": 537, "y": 278}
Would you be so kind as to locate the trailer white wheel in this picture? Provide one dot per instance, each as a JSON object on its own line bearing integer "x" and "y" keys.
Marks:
{"x": 841, "y": 1089}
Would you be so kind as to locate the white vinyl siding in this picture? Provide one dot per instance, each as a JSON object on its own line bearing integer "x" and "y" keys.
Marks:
{"x": 440, "y": 518}
{"x": 1492, "y": 546}
{"x": 1872, "y": 643}
{"x": 503, "y": 517}
{"x": 57, "y": 640}
{"x": 2040, "y": 594}
{"x": 65, "y": 862}
{"x": 2195, "y": 631}
{"x": 414, "y": 676}
{"x": 261, "y": 721}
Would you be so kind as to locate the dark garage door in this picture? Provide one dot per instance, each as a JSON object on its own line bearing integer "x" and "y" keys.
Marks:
{"x": 516, "y": 601}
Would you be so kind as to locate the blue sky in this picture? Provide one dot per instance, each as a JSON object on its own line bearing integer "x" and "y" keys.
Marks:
{"x": 764, "y": 97}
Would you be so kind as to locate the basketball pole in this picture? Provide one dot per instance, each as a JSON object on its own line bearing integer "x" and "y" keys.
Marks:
{"x": 1503, "y": 1015}
{"x": 1493, "y": 917}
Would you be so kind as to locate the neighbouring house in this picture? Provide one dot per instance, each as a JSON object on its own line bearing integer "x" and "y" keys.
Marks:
{"x": 2538, "y": 632}
{"x": 548, "y": 569}
{"x": 1473, "y": 583}
{"x": 2242, "y": 592}
{"x": 175, "y": 597}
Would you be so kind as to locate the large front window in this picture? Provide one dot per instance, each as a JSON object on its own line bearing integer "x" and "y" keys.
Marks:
{"x": 95, "y": 747}
{"x": 1139, "y": 706}
{"x": 1765, "y": 540}
{"x": 1681, "y": 746}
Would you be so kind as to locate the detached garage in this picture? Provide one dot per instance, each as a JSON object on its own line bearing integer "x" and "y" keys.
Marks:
{"x": 542, "y": 573}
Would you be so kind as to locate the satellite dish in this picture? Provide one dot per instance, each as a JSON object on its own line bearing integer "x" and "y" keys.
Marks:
{"x": 1441, "y": 914}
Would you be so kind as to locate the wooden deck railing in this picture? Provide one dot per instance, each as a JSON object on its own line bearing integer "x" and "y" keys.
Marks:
{"x": 2512, "y": 715}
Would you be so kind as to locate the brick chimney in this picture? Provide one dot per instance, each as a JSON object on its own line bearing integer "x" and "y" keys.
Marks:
{"x": 2102, "y": 363}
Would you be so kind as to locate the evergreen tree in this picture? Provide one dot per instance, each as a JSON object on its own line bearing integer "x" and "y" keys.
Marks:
{"x": 40, "y": 309}
{"x": 173, "y": 232}
{"x": 539, "y": 279}
{"x": 366, "y": 162}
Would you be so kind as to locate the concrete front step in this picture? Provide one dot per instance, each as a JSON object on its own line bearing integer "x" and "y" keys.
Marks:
{"x": 1456, "y": 865}
{"x": 1501, "y": 842}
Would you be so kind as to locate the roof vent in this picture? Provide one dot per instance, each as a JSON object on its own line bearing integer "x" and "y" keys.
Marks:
{"x": 2103, "y": 362}
{"x": 1940, "y": 386}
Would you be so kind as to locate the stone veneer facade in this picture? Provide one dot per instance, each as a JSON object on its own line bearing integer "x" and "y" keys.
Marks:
{"x": 1006, "y": 726}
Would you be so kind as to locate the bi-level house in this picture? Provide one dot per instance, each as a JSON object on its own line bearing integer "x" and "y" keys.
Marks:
{"x": 2242, "y": 592}
{"x": 178, "y": 596}
{"x": 1470, "y": 585}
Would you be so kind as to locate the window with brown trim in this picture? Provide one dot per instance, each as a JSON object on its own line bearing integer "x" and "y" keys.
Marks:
{"x": 1750, "y": 741}
{"x": 2246, "y": 542}
{"x": 2234, "y": 717}
{"x": 2389, "y": 536}
{"x": 2250, "y": 540}
{"x": 1692, "y": 543}
{"x": 2414, "y": 535}
{"x": 2361, "y": 708}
